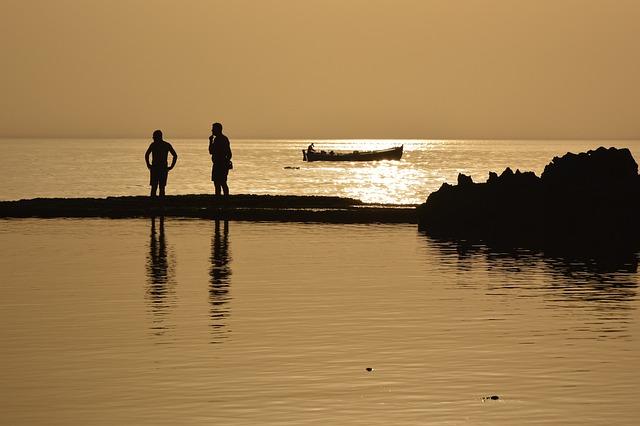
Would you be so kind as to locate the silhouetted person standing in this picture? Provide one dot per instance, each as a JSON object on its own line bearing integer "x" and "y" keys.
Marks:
{"x": 220, "y": 150}
{"x": 158, "y": 169}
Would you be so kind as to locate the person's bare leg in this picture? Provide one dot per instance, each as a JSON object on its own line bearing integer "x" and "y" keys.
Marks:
{"x": 154, "y": 190}
{"x": 225, "y": 188}
{"x": 217, "y": 186}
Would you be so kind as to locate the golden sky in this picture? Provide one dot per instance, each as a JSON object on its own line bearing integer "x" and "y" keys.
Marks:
{"x": 435, "y": 69}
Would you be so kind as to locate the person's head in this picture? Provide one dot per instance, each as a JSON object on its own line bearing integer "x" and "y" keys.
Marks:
{"x": 216, "y": 129}
{"x": 157, "y": 135}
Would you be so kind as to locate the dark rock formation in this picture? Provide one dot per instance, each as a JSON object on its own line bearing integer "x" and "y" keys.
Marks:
{"x": 586, "y": 199}
{"x": 464, "y": 180}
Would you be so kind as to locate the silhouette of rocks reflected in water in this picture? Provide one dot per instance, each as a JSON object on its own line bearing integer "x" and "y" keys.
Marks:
{"x": 160, "y": 292}
{"x": 220, "y": 280}
{"x": 603, "y": 283}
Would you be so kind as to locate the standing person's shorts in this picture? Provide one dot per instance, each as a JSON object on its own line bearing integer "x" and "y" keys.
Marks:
{"x": 158, "y": 176}
{"x": 219, "y": 173}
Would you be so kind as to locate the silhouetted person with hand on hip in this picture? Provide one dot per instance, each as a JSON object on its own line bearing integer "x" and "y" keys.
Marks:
{"x": 158, "y": 169}
{"x": 220, "y": 150}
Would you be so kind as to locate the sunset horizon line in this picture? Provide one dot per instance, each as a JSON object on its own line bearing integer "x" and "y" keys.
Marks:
{"x": 244, "y": 138}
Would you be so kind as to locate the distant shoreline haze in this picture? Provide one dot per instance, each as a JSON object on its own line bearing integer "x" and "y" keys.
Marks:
{"x": 331, "y": 139}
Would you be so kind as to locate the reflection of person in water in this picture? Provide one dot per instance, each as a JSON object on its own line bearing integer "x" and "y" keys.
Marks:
{"x": 159, "y": 274}
{"x": 220, "y": 276}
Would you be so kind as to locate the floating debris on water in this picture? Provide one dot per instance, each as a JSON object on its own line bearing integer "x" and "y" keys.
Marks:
{"x": 369, "y": 369}
{"x": 292, "y": 167}
{"x": 492, "y": 397}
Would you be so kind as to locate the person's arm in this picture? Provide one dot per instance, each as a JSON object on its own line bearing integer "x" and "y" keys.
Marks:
{"x": 174, "y": 157}
{"x": 146, "y": 157}
{"x": 211, "y": 145}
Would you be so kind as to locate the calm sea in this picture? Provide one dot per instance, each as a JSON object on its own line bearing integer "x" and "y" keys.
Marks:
{"x": 194, "y": 322}
{"x": 101, "y": 168}
{"x": 191, "y": 322}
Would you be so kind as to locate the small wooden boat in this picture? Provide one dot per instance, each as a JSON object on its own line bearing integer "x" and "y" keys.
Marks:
{"x": 394, "y": 153}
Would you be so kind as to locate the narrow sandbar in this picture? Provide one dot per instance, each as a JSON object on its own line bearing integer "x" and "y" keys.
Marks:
{"x": 280, "y": 208}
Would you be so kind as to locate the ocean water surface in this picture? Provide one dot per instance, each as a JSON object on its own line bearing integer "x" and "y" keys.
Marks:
{"x": 175, "y": 321}
{"x": 170, "y": 321}
{"x": 109, "y": 167}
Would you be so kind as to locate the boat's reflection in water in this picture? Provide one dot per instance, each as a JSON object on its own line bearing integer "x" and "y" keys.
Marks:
{"x": 160, "y": 291}
{"x": 220, "y": 279}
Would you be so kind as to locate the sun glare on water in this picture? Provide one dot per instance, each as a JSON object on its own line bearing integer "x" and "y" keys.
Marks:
{"x": 388, "y": 182}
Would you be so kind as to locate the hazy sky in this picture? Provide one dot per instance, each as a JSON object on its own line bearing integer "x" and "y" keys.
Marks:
{"x": 321, "y": 68}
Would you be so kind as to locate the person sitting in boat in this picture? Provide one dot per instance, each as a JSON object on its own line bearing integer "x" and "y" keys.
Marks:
{"x": 310, "y": 148}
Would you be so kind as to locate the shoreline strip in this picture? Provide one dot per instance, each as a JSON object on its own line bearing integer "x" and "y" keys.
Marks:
{"x": 277, "y": 208}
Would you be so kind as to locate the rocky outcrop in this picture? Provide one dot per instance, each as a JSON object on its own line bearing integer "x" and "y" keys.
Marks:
{"x": 591, "y": 198}
{"x": 280, "y": 208}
